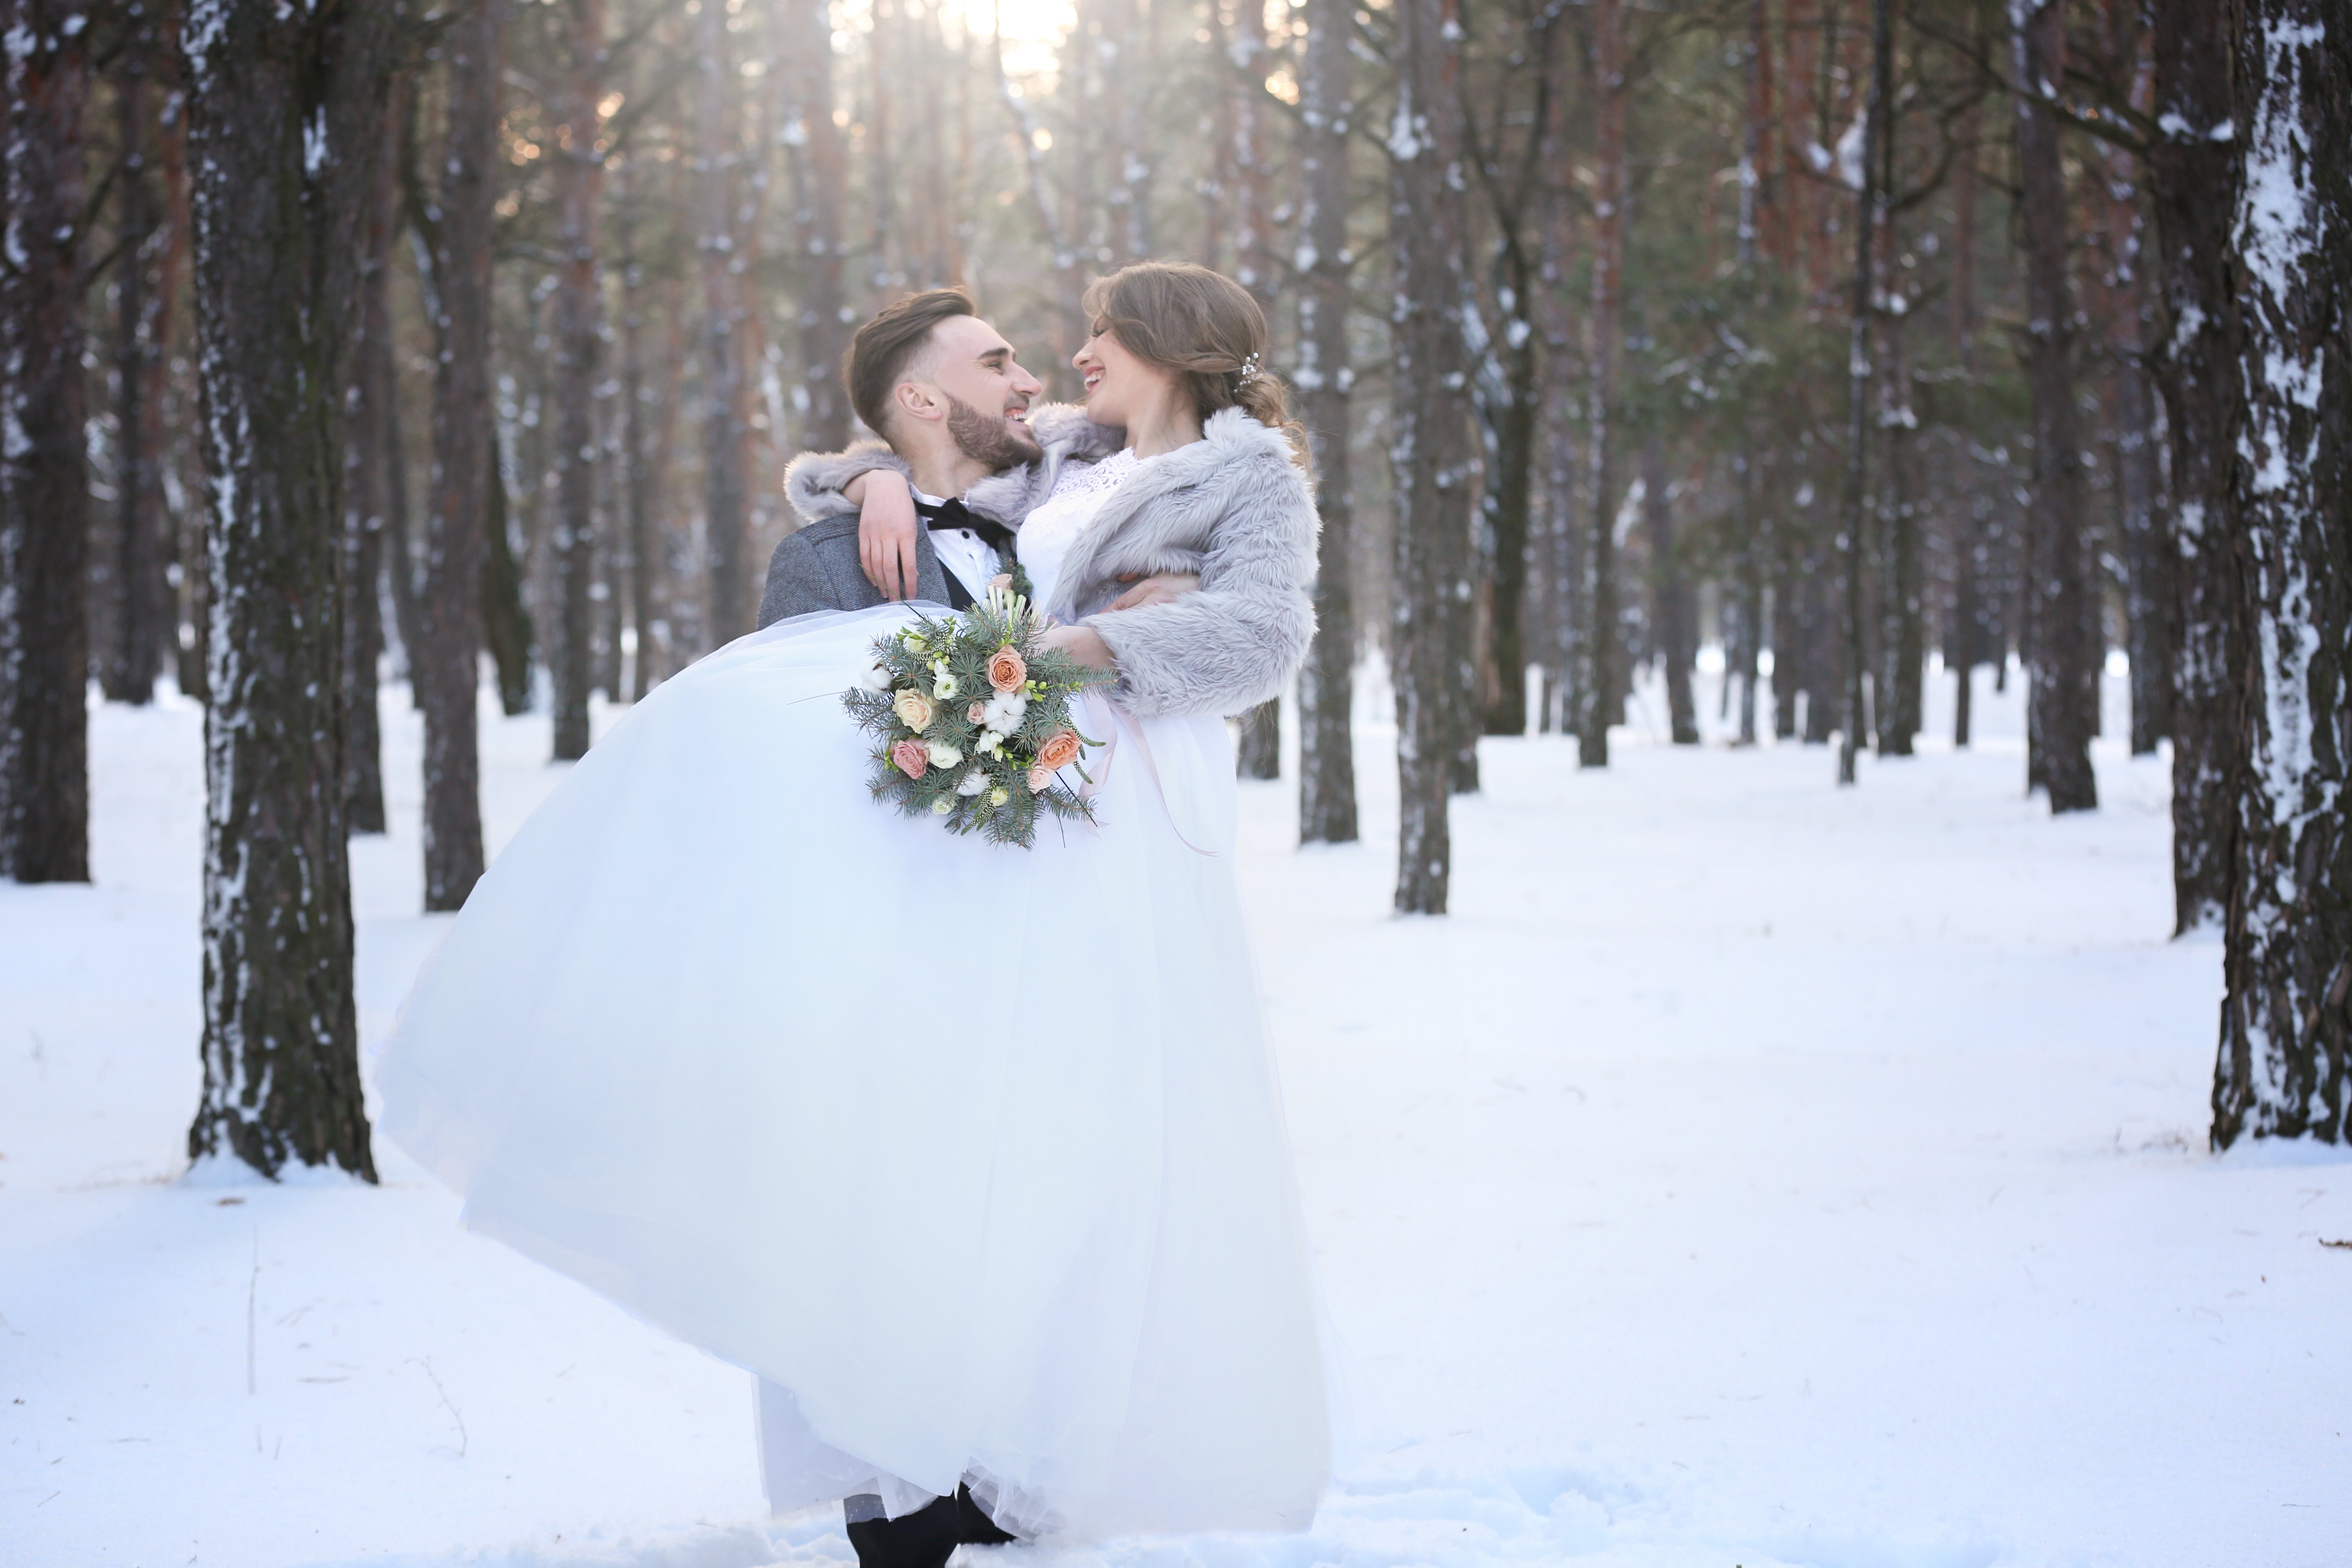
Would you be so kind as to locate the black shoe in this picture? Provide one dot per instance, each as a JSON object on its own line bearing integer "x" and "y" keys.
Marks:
{"x": 973, "y": 1527}
{"x": 923, "y": 1539}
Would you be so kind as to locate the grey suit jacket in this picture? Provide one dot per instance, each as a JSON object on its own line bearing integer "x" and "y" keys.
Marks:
{"x": 817, "y": 569}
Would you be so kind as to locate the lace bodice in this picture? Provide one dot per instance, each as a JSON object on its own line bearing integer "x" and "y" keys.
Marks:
{"x": 1063, "y": 517}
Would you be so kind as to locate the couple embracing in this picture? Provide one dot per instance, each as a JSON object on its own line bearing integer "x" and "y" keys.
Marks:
{"x": 973, "y": 1154}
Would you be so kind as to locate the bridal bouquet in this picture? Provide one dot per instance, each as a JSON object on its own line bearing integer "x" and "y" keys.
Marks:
{"x": 972, "y": 720}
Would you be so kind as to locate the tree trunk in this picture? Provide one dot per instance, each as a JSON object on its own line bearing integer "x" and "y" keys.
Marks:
{"x": 1325, "y": 378}
{"x": 2147, "y": 553}
{"x": 2285, "y": 1068}
{"x": 1677, "y": 630}
{"x": 142, "y": 598}
{"x": 723, "y": 403}
{"x": 446, "y": 661}
{"x": 636, "y": 485}
{"x": 366, "y": 501}
{"x": 285, "y": 121}
{"x": 1870, "y": 217}
{"x": 1260, "y": 755}
{"x": 44, "y": 530}
{"x": 2192, "y": 176}
{"x": 1430, "y": 456}
{"x": 1597, "y": 681}
{"x": 820, "y": 200}
{"x": 2064, "y": 694}
{"x": 579, "y": 331}
{"x": 506, "y": 618}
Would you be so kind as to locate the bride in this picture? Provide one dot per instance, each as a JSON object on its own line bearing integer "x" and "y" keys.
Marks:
{"x": 973, "y": 1153}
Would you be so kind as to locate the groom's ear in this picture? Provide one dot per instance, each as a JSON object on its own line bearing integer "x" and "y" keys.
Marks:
{"x": 919, "y": 400}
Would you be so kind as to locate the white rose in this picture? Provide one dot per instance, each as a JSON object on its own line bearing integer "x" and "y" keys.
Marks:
{"x": 944, "y": 755}
{"x": 972, "y": 782}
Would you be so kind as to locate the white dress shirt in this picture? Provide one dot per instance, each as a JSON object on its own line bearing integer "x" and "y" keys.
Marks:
{"x": 972, "y": 558}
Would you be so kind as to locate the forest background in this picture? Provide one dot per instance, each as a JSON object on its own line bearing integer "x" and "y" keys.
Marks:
{"x": 1843, "y": 341}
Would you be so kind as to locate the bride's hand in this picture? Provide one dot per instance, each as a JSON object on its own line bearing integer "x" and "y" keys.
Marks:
{"x": 1081, "y": 643}
{"x": 1165, "y": 588}
{"x": 885, "y": 531}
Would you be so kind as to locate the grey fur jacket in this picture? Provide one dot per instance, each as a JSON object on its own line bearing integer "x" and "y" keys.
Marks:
{"x": 1232, "y": 507}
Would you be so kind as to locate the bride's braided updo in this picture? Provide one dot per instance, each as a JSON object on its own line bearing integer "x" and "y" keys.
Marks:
{"x": 1204, "y": 327}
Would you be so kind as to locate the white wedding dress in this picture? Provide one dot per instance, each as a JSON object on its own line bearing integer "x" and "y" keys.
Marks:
{"x": 974, "y": 1155}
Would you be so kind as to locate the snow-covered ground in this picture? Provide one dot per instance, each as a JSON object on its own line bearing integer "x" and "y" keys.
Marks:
{"x": 1747, "y": 1172}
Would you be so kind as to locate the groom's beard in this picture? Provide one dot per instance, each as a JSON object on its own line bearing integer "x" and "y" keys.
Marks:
{"x": 990, "y": 439}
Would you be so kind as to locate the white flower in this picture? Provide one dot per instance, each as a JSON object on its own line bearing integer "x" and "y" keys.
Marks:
{"x": 973, "y": 782}
{"x": 998, "y": 797}
{"x": 944, "y": 688}
{"x": 944, "y": 755}
{"x": 990, "y": 742}
{"x": 941, "y": 806}
{"x": 1005, "y": 711}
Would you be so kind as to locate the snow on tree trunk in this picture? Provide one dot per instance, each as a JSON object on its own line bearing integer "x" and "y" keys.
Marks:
{"x": 579, "y": 333}
{"x": 444, "y": 663}
{"x": 724, "y": 406}
{"x": 44, "y": 531}
{"x": 1325, "y": 378}
{"x": 820, "y": 190}
{"x": 2192, "y": 178}
{"x": 1429, "y": 455}
{"x": 2285, "y": 1060}
{"x": 2065, "y": 653}
{"x": 1597, "y": 681}
{"x": 1677, "y": 630}
{"x": 286, "y": 117}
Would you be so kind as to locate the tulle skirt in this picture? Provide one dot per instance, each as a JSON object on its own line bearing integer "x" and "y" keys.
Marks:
{"x": 973, "y": 1153}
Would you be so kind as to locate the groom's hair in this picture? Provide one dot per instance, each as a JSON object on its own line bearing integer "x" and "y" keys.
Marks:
{"x": 884, "y": 346}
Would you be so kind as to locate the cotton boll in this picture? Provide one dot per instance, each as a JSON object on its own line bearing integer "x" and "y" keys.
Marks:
{"x": 873, "y": 677}
{"x": 973, "y": 782}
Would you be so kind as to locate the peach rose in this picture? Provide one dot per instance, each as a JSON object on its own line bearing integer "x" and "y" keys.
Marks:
{"x": 1060, "y": 749}
{"x": 913, "y": 757}
{"x": 1038, "y": 779}
{"x": 977, "y": 712}
{"x": 1005, "y": 669}
{"x": 914, "y": 709}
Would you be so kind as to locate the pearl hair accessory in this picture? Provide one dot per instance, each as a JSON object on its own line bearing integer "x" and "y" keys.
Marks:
{"x": 1248, "y": 373}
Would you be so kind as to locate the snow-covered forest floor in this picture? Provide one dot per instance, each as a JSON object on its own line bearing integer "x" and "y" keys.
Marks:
{"x": 1745, "y": 1173}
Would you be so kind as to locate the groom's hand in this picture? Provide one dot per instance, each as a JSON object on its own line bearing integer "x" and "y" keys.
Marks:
{"x": 886, "y": 532}
{"x": 1165, "y": 588}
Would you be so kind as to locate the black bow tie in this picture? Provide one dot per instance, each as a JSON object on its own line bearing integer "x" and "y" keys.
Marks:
{"x": 953, "y": 513}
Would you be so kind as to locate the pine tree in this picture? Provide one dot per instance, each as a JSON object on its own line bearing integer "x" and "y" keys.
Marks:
{"x": 1429, "y": 455}
{"x": 1324, "y": 377}
{"x": 286, "y": 118}
{"x": 44, "y": 486}
{"x": 2285, "y": 1060}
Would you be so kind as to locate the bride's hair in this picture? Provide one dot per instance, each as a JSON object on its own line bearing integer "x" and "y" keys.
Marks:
{"x": 1204, "y": 327}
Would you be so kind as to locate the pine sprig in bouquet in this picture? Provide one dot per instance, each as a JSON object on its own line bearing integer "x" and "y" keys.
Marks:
{"x": 972, "y": 720}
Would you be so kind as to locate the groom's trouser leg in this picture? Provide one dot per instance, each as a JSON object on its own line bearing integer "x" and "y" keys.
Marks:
{"x": 923, "y": 1539}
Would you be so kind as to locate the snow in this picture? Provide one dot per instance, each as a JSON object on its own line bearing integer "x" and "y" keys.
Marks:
{"x": 1747, "y": 1172}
